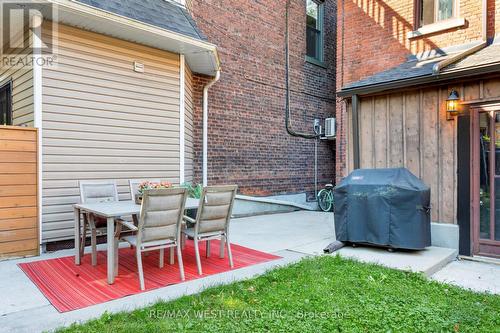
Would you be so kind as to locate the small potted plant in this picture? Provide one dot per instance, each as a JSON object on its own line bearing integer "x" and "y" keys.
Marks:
{"x": 147, "y": 185}
{"x": 194, "y": 191}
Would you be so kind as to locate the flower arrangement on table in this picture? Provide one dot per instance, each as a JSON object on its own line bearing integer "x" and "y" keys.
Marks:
{"x": 147, "y": 185}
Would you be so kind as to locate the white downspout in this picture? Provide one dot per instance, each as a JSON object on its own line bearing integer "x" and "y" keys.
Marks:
{"x": 182, "y": 130}
{"x": 205, "y": 127}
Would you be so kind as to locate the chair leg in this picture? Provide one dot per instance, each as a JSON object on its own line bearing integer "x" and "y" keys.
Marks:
{"x": 179, "y": 260}
{"x": 93, "y": 242}
{"x": 139, "y": 267}
{"x": 172, "y": 258}
{"x": 162, "y": 255}
{"x": 221, "y": 247}
{"x": 116, "y": 248}
{"x": 229, "y": 254}
{"x": 183, "y": 241}
{"x": 208, "y": 249}
{"x": 197, "y": 255}
{"x": 84, "y": 237}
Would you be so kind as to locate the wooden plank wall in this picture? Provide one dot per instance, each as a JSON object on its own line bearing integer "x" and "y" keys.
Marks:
{"x": 409, "y": 129}
{"x": 18, "y": 192}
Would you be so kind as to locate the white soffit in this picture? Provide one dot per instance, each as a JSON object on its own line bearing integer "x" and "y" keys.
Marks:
{"x": 201, "y": 56}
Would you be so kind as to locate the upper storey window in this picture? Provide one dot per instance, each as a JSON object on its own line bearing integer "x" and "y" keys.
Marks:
{"x": 432, "y": 11}
{"x": 314, "y": 30}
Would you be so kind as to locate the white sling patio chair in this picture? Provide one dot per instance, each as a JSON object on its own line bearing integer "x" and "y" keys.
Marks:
{"x": 159, "y": 227}
{"x": 134, "y": 189}
{"x": 92, "y": 192}
{"x": 212, "y": 221}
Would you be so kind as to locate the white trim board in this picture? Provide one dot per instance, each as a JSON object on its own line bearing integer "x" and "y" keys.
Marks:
{"x": 182, "y": 119}
{"x": 37, "y": 115}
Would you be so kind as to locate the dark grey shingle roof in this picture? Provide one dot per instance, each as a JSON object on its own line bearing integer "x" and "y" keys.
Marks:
{"x": 490, "y": 55}
{"x": 160, "y": 13}
{"x": 407, "y": 70}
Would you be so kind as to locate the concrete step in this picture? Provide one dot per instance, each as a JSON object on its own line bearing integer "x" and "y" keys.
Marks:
{"x": 252, "y": 206}
{"x": 427, "y": 261}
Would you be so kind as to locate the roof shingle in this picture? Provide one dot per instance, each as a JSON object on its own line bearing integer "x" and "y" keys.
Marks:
{"x": 489, "y": 55}
{"x": 160, "y": 13}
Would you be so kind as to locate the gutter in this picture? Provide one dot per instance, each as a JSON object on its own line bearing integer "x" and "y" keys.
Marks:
{"x": 420, "y": 80}
{"x": 453, "y": 59}
{"x": 83, "y": 9}
{"x": 205, "y": 126}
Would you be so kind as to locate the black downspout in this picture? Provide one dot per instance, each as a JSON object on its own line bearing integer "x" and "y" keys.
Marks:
{"x": 288, "y": 125}
{"x": 355, "y": 131}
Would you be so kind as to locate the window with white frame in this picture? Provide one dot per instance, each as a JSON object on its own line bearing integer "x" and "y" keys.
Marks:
{"x": 432, "y": 11}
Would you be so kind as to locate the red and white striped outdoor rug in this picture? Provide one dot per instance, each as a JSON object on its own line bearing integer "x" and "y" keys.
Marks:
{"x": 69, "y": 287}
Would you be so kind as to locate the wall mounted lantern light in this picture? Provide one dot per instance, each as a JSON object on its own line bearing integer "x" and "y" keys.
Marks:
{"x": 452, "y": 104}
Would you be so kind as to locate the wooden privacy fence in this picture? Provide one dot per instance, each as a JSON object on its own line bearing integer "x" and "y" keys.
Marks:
{"x": 19, "y": 234}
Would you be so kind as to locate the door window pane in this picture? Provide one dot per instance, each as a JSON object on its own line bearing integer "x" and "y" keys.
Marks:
{"x": 497, "y": 212}
{"x": 484, "y": 176}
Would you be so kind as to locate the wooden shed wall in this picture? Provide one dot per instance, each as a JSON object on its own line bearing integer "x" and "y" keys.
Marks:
{"x": 409, "y": 129}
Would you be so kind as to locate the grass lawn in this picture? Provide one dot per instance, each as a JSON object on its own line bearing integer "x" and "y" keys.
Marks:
{"x": 322, "y": 294}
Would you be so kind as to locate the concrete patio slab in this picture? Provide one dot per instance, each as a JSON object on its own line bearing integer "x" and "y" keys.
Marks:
{"x": 477, "y": 276}
{"x": 277, "y": 232}
{"x": 427, "y": 261}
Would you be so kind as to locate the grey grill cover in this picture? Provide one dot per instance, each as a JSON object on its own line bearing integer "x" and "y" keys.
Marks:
{"x": 387, "y": 207}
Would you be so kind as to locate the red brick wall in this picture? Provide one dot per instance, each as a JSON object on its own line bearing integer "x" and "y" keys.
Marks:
{"x": 248, "y": 143}
{"x": 372, "y": 37}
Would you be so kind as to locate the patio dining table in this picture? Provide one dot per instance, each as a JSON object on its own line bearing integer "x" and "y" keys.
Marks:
{"x": 110, "y": 211}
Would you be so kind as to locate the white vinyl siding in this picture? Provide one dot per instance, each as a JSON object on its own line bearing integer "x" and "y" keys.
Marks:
{"x": 102, "y": 120}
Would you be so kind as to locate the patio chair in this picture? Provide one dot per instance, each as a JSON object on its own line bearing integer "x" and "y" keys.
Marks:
{"x": 212, "y": 221}
{"x": 159, "y": 227}
{"x": 92, "y": 192}
{"x": 134, "y": 189}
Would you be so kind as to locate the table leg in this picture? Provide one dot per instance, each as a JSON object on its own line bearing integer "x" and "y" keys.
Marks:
{"x": 110, "y": 249}
{"x": 77, "y": 235}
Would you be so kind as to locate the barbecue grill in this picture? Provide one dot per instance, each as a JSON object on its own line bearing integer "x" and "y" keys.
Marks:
{"x": 384, "y": 207}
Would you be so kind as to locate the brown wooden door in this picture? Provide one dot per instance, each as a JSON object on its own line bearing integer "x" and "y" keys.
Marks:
{"x": 486, "y": 181}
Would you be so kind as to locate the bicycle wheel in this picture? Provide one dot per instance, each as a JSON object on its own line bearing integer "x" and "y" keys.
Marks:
{"x": 324, "y": 200}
